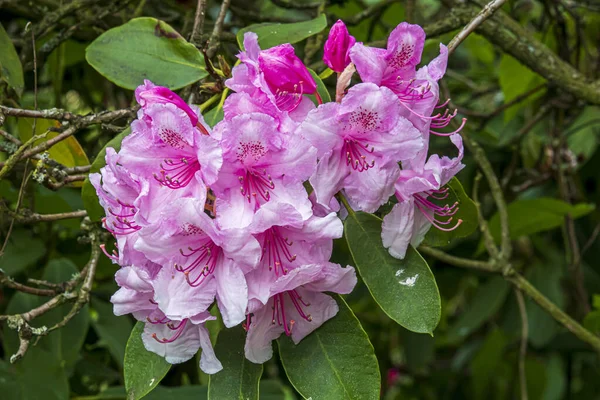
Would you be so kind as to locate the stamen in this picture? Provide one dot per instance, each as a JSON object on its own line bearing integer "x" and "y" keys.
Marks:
{"x": 353, "y": 150}
{"x": 114, "y": 256}
{"x": 256, "y": 183}
{"x": 274, "y": 246}
{"x": 179, "y": 173}
{"x": 179, "y": 330}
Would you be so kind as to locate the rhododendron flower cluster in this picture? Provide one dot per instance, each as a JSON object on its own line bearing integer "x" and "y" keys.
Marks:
{"x": 205, "y": 216}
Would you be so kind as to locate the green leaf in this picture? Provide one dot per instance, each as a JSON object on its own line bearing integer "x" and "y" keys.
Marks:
{"x": 21, "y": 251}
{"x": 239, "y": 377}
{"x": 146, "y": 48}
{"x": 112, "y": 330}
{"x": 486, "y": 361}
{"x": 467, "y": 212}
{"x": 88, "y": 193}
{"x": 192, "y": 392}
{"x": 273, "y": 34}
{"x": 584, "y": 132}
{"x": 11, "y": 70}
{"x": 404, "y": 289}
{"x": 143, "y": 369}
{"x": 486, "y": 301}
{"x": 516, "y": 79}
{"x": 546, "y": 278}
{"x": 321, "y": 89}
{"x": 529, "y": 216}
{"x": 271, "y": 389}
{"x": 68, "y": 152}
{"x": 214, "y": 116}
{"x": 336, "y": 361}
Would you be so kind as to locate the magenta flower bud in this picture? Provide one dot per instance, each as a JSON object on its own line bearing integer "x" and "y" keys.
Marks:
{"x": 285, "y": 72}
{"x": 149, "y": 93}
{"x": 337, "y": 47}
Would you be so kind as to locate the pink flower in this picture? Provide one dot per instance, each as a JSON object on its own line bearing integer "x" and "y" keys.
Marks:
{"x": 149, "y": 94}
{"x": 200, "y": 261}
{"x": 276, "y": 72}
{"x": 336, "y": 52}
{"x": 394, "y": 67}
{"x": 418, "y": 192}
{"x": 179, "y": 341}
{"x": 296, "y": 306}
{"x": 165, "y": 146}
{"x": 175, "y": 340}
{"x": 360, "y": 142}
{"x": 261, "y": 164}
{"x": 288, "y": 242}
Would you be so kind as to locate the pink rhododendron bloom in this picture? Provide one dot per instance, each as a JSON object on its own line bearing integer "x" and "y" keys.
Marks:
{"x": 276, "y": 72}
{"x": 261, "y": 164}
{"x": 418, "y": 192}
{"x": 167, "y": 147}
{"x": 149, "y": 94}
{"x": 288, "y": 242}
{"x": 130, "y": 202}
{"x": 179, "y": 341}
{"x": 175, "y": 340}
{"x": 297, "y": 306}
{"x": 200, "y": 261}
{"x": 360, "y": 142}
{"x": 395, "y": 66}
{"x": 336, "y": 52}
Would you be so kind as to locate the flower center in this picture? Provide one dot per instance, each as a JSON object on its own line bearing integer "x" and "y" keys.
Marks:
{"x": 402, "y": 56}
{"x": 276, "y": 250}
{"x": 172, "y": 138}
{"x": 365, "y": 120}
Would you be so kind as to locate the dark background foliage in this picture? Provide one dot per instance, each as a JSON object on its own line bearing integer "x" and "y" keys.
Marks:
{"x": 531, "y": 102}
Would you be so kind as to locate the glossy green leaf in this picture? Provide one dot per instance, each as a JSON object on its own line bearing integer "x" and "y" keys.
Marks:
{"x": 516, "y": 79}
{"x": 273, "y": 34}
{"x": 146, "y": 48}
{"x": 546, "y": 277}
{"x": 21, "y": 251}
{"x": 584, "y": 133}
{"x": 239, "y": 377}
{"x": 112, "y": 330}
{"x": 321, "y": 89}
{"x": 88, "y": 193}
{"x": 405, "y": 289}
{"x": 529, "y": 216}
{"x": 486, "y": 301}
{"x": 336, "y": 361}
{"x": 143, "y": 369}
{"x": 467, "y": 212}
{"x": 271, "y": 389}
{"x": 486, "y": 361}
{"x": 192, "y": 392}
{"x": 11, "y": 70}
{"x": 67, "y": 152}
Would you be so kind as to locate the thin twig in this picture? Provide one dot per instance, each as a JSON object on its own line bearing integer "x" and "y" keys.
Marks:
{"x": 198, "y": 27}
{"x": 213, "y": 42}
{"x": 523, "y": 347}
{"x": 457, "y": 261}
{"x": 484, "y": 14}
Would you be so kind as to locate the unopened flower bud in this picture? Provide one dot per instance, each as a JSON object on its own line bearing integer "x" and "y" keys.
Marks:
{"x": 337, "y": 47}
{"x": 285, "y": 72}
{"x": 149, "y": 93}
